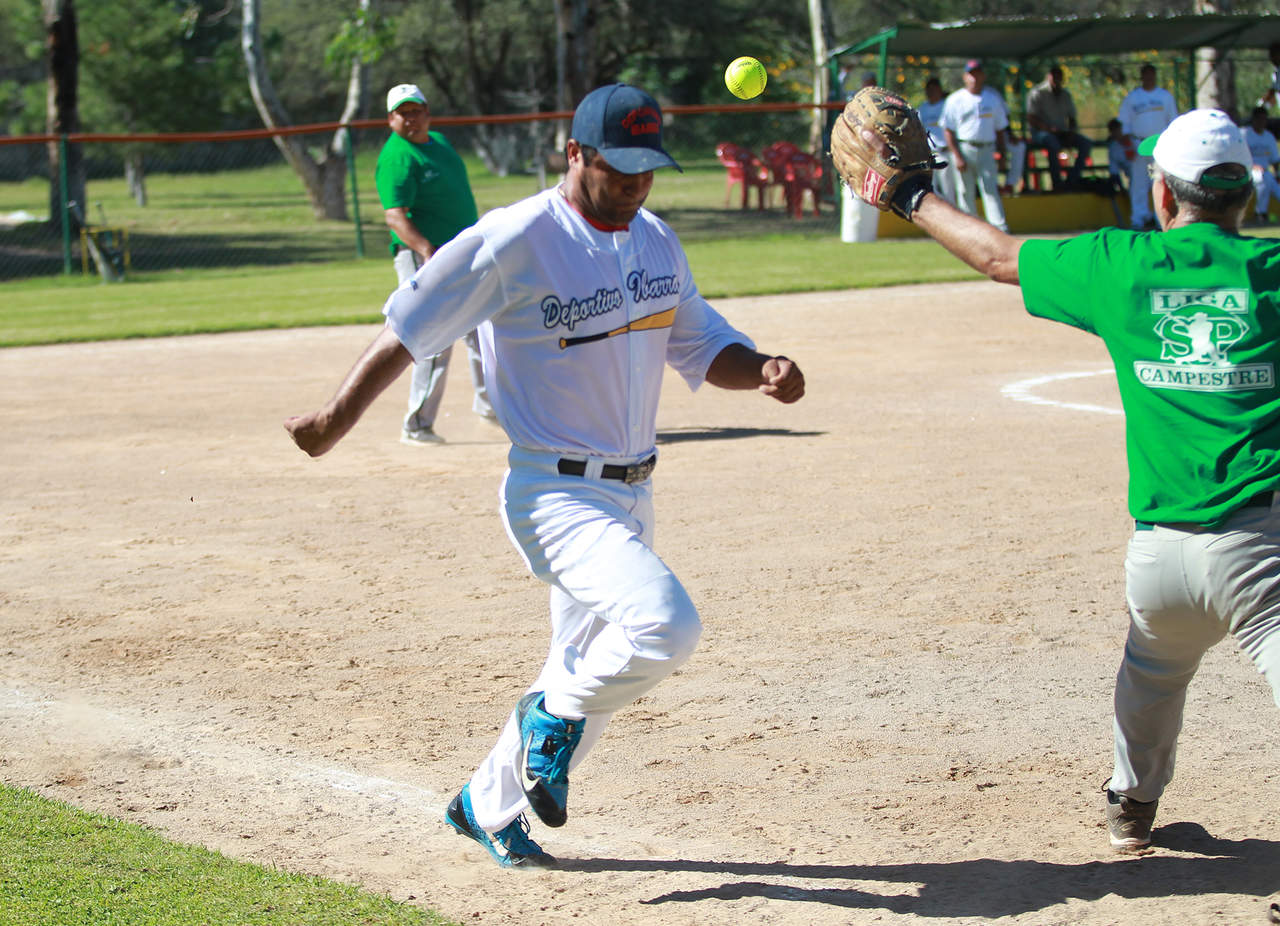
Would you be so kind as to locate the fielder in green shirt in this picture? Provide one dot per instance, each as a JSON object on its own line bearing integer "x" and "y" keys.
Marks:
{"x": 426, "y": 200}
{"x": 1191, "y": 317}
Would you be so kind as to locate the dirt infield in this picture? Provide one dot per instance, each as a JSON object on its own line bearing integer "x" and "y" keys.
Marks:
{"x": 911, "y": 584}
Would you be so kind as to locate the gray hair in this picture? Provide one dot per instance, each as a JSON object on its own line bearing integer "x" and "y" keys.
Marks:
{"x": 1212, "y": 201}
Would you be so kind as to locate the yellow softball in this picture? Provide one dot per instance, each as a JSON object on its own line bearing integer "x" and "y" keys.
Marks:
{"x": 745, "y": 77}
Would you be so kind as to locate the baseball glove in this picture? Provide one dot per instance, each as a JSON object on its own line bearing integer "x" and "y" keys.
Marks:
{"x": 894, "y": 174}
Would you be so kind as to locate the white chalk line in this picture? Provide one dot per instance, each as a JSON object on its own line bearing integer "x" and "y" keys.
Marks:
{"x": 1022, "y": 391}
{"x": 256, "y": 773}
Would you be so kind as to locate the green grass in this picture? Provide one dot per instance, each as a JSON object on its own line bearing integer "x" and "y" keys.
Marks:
{"x": 61, "y": 865}
{"x": 60, "y": 309}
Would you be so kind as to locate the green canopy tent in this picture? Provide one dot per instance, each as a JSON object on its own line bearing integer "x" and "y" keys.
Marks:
{"x": 1021, "y": 39}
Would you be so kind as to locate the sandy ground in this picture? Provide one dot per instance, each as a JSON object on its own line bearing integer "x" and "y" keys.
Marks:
{"x": 911, "y": 584}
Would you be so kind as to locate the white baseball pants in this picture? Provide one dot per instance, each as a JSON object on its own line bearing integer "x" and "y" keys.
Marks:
{"x": 1265, "y": 186}
{"x": 1187, "y": 589}
{"x": 620, "y": 620}
{"x": 980, "y": 175}
{"x": 426, "y": 383}
{"x": 1140, "y": 212}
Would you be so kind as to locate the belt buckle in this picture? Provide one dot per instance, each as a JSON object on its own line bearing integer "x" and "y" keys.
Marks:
{"x": 639, "y": 472}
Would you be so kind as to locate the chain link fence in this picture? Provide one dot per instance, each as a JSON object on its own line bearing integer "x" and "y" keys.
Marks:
{"x": 233, "y": 199}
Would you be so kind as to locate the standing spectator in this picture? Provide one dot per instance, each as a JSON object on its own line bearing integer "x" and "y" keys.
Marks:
{"x": 1272, "y": 95}
{"x": 1052, "y": 114}
{"x": 1265, "y": 154}
{"x": 975, "y": 122}
{"x": 1145, "y": 112}
{"x": 426, "y": 197}
{"x": 1120, "y": 156}
{"x": 944, "y": 179}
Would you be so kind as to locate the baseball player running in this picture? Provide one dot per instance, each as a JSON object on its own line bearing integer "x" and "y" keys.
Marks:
{"x": 1191, "y": 318}
{"x": 581, "y": 296}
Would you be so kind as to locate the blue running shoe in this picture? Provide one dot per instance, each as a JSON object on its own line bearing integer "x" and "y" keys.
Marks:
{"x": 546, "y": 745}
{"x": 510, "y": 847}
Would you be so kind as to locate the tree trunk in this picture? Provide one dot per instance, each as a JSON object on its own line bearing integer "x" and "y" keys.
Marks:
{"x": 62, "y": 108}
{"x": 821, "y": 74}
{"x": 1215, "y": 71}
{"x": 323, "y": 179}
{"x": 135, "y": 177}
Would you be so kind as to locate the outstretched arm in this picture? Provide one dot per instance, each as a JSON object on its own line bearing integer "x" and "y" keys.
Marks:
{"x": 740, "y": 367}
{"x": 982, "y": 246}
{"x": 382, "y": 361}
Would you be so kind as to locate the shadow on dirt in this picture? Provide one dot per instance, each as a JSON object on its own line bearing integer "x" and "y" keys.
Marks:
{"x": 991, "y": 888}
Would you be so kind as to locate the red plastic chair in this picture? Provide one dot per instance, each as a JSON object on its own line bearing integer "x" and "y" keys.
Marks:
{"x": 742, "y": 167}
{"x": 777, "y": 156}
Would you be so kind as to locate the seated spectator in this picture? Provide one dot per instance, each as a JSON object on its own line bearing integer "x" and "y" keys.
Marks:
{"x": 1266, "y": 155}
{"x": 1052, "y": 114}
{"x": 1121, "y": 154}
{"x": 944, "y": 181}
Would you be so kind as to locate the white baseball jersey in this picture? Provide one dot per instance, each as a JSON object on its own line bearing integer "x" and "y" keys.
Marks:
{"x": 1144, "y": 113}
{"x": 536, "y": 277}
{"x": 1262, "y": 146}
{"x": 975, "y": 117}
{"x": 931, "y": 116}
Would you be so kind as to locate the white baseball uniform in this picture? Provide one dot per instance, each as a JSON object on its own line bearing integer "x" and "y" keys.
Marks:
{"x": 944, "y": 182}
{"x": 1144, "y": 113}
{"x": 552, "y": 296}
{"x": 975, "y": 119}
{"x": 1263, "y": 150}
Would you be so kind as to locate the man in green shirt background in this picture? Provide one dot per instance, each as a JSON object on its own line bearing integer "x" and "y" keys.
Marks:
{"x": 426, "y": 197}
{"x": 1191, "y": 317}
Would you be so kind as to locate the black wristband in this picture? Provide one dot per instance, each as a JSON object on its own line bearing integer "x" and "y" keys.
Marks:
{"x": 907, "y": 198}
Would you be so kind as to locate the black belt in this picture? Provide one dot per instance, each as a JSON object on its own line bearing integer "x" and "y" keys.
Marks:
{"x": 976, "y": 144}
{"x": 635, "y": 472}
{"x": 1261, "y": 500}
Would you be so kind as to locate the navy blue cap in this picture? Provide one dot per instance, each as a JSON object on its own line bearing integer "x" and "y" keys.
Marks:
{"x": 624, "y": 124}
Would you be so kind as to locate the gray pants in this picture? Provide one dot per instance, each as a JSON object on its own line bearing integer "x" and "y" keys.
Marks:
{"x": 1188, "y": 589}
{"x": 426, "y": 385}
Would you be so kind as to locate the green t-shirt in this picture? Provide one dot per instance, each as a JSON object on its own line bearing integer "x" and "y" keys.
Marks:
{"x": 1189, "y": 317}
{"x": 430, "y": 181}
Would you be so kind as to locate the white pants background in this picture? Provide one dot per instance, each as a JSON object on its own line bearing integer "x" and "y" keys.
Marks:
{"x": 620, "y": 620}
{"x": 1140, "y": 191}
{"x": 426, "y": 383}
{"x": 1187, "y": 590}
{"x": 980, "y": 175}
{"x": 1265, "y": 186}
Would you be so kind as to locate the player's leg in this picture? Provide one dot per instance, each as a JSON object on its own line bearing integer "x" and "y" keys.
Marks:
{"x": 1166, "y": 574}
{"x": 621, "y": 622}
{"x": 426, "y": 383}
{"x": 426, "y": 391}
{"x": 480, "y": 403}
{"x": 989, "y": 184}
{"x": 1248, "y": 577}
{"x": 967, "y": 180}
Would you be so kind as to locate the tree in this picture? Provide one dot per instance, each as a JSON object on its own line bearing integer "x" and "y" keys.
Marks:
{"x": 136, "y": 52}
{"x": 325, "y": 176}
{"x": 63, "y": 106}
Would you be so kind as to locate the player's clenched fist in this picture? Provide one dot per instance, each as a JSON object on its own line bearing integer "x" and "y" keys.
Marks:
{"x": 782, "y": 380}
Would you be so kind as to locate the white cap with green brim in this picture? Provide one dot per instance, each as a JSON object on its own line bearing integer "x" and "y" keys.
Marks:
{"x": 1196, "y": 141}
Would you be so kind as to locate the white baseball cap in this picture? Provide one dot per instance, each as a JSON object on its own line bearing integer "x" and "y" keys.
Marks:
{"x": 1196, "y": 141}
{"x": 404, "y": 93}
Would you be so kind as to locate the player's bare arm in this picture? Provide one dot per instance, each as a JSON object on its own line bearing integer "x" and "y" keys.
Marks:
{"x": 378, "y": 367}
{"x": 740, "y": 367}
{"x": 982, "y": 246}
{"x": 399, "y": 222}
